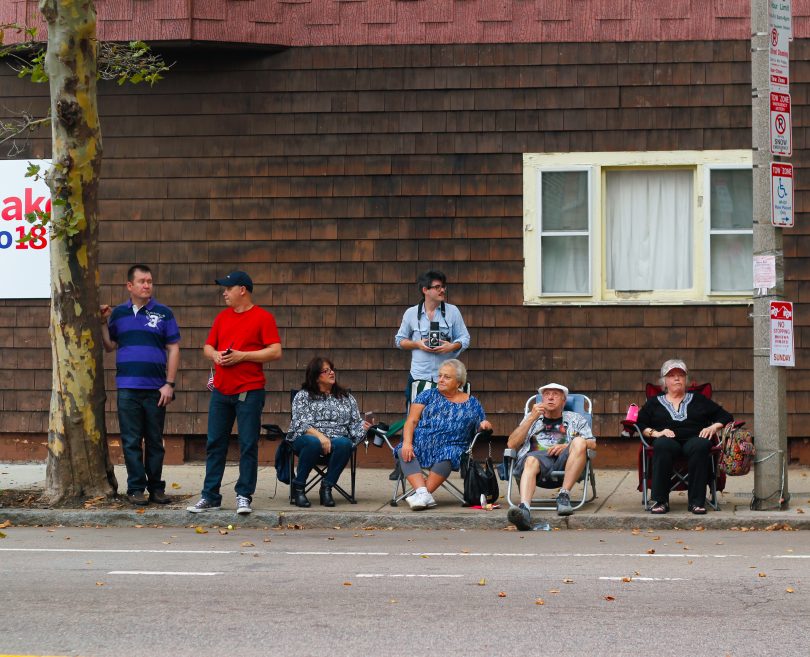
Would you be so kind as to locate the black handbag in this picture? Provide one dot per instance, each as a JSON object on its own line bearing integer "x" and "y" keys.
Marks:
{"x": 479, "y": 480}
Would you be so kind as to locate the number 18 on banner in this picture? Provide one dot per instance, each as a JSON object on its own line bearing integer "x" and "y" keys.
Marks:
{"x": 782, "y": 334}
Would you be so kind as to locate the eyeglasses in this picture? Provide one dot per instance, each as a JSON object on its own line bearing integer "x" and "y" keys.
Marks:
{"x": 437, "y": 287}
{"x": 327, "y": 370}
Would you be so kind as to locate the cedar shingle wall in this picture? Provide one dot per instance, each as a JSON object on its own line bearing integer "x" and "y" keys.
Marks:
{"x": 335, "y": 175}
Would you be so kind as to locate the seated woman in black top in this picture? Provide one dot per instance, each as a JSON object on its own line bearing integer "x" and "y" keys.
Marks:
{"x": 680, "y": 423}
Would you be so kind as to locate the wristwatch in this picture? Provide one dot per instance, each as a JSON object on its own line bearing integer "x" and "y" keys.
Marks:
{"x": 170, "y": 383}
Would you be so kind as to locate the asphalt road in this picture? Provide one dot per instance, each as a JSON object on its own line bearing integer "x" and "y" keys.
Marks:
{"x": 130, "y": 592}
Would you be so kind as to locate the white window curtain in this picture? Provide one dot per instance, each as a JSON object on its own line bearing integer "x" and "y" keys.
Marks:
{"x": 732, "y": 221}
{"x": 649, "y": 230}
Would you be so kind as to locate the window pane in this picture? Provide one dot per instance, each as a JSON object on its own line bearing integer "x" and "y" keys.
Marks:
{"x": 565, "y": 265}
{"x": 732, "y": 263}
{"x": 565, "y": 200}
{"x": 732, "y": 199}
{"x": 649, "y": 230}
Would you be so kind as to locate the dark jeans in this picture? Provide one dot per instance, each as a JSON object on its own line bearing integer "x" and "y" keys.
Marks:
{"x": 665, "y": 451}
{"x": 140, "y": 420}
{"x": 222, "y": 411}
{"x": 309, "y": 451}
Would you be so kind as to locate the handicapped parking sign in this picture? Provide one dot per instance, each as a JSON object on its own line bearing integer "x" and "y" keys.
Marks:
{"x": 782, "y": 195}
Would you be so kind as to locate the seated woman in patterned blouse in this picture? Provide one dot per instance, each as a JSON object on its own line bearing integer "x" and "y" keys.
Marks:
{"x": 325, "y": 421}
{"x": 440, "y": 426}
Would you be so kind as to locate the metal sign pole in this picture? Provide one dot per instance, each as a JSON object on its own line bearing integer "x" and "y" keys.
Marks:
{"x": 770, "y": 416}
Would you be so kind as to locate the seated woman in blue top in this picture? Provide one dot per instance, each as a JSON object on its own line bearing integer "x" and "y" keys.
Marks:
{"x": 325, "y": 421}
{"x": 440, "y": 426}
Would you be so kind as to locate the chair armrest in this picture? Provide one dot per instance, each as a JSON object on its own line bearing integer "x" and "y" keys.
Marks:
{"x": 509, "y": 453}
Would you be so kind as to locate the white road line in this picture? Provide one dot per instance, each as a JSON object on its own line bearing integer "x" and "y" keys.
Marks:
{"x": 157, "y": 572}
{"x": 646, "y": 579}
{"x": 338, "y": 554}
{"x": 118, "y": 551}
{"x": 788, "y": 556}
{"x": 375, "y": 575}
{"x": 679, "y": 555}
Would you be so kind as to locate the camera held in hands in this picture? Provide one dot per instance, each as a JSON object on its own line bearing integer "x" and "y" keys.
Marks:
{"x": 434, "y": 335}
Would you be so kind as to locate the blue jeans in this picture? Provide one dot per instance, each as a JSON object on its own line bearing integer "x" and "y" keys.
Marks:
{"x": 222, "y": 411}
{"x": 140, "y": 420}
{"x": 309, "y": 451}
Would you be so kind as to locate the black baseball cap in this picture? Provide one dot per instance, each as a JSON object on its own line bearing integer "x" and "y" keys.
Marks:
{"x": 236, "y": 278}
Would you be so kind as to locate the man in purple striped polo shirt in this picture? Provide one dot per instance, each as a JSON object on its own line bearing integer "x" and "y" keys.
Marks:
{"x": 147, "y": 338}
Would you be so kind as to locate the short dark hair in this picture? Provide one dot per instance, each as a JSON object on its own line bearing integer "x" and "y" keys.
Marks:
{"x": 131, "y": 271}
{"x": 428, "y": 277}
{"x": 311, "y": 375}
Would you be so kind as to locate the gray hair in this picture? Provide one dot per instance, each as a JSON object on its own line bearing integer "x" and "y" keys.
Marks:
{"x": 671, "y": 364}
{"x": 461, "y": 371}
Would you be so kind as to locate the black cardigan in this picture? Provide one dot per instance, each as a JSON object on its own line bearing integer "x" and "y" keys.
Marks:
{"x": 700, "y": 413}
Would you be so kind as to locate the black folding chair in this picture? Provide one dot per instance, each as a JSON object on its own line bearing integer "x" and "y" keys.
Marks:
{"x": 321, "y": 466}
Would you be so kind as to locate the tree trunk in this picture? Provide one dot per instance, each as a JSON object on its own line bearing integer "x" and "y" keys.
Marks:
{"x": 78, "y": 459}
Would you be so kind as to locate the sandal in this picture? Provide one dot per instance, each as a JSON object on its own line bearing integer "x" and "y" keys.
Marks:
{"x": 697, "y": 510}
{"x": 659, "y": 508}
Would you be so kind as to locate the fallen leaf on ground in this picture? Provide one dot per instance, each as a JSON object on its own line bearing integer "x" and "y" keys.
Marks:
{"x": 2, "y": 535}
{"x": 393, "y": 601}
{"x": 656, "y": 538}
{"x": 223, "y": 531}
{"x": 502, "y": 594}
{"x": 609, "y": 598}
{"x": 568, "y": 581}
{"x": 200, "y": 530}
{"x": 554, "y": 590}
{"x": 247, "y": 544}
{"x": 141, "y": 511}
{"x": 99, "y": 583}
{"x": 267, "y": 540}
{"x": 650, "y": 551}
{"x": 175, "y": 485}
{"x": 482, "y": 582}
{"x": 797, "y": 511}
{"x": 539, "y": 601}
{"x": 347, "y": 583}
{"x": 5, "y": 523}
{"x": 627, "y": 579}
{"x": 789, "y": 589}
{"x": 761, "y": 575}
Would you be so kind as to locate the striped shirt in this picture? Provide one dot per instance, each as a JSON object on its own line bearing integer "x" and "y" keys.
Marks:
{"x": 142, "y": 338}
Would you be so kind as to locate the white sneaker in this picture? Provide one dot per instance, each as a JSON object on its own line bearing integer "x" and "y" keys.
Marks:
{"x": 418, "y": 501}
{"x": 243, "y": 505}
{"x": 430, "y": 501}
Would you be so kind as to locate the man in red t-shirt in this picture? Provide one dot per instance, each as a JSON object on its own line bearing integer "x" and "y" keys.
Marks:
{"x": 242, "y": 339}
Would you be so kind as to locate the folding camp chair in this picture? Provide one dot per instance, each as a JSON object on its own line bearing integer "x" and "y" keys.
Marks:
{"x": 383, "y": 436}
{"x": 680, "y": 468}
{"x": 574, "y": 402}
{"x": 320, "y": 469}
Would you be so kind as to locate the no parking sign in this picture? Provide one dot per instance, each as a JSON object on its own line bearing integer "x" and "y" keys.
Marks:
{"x": 781, "y": 141}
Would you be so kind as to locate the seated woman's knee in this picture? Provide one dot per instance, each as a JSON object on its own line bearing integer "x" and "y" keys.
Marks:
{"x": 308, "y": 443}
{"x": 341, "y": 444}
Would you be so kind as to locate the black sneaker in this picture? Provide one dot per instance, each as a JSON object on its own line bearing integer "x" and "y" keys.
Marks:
{"x": 564, "y": 507}
{"x": 202, "y": 505}
{"x": 138, "y": 498}
{"x": 520, "y": 517}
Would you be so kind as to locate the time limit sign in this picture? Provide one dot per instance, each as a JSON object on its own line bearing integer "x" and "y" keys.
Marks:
{"x": 782, "y": 195}
{"x": 781, "y": 141}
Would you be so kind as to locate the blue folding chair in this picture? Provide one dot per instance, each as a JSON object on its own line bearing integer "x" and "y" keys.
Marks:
{"x": 579, "y": 404}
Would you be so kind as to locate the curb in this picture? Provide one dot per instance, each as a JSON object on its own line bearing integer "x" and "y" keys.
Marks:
{"x": 363, "y": 520}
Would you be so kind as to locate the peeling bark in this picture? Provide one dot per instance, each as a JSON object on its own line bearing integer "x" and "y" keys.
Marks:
{"x": 78, "y": 459}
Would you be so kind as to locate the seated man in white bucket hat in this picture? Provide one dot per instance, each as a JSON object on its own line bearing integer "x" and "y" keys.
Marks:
{"x": 549, "y": 439}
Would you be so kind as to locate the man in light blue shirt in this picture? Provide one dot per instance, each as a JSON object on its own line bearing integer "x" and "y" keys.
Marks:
{"x": 415, "y": 333}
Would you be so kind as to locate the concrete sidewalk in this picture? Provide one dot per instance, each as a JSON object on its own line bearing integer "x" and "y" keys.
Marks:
{"x": 618, "y": 505}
